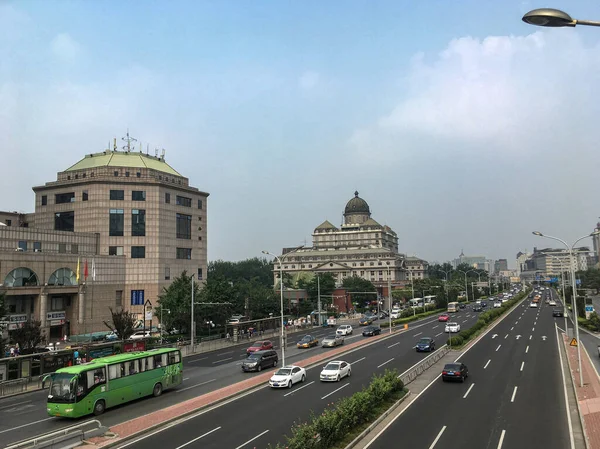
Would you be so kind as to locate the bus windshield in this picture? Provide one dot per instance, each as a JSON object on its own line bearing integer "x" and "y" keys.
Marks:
{"x": 453, "y": 307}
{"x": 62, "y": 388}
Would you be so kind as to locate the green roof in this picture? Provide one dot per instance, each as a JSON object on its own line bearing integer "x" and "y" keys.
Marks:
{"x": 326, "y": 225}
{"x": 123, "y": 159}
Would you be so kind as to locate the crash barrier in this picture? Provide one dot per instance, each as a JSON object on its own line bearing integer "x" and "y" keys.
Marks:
{"x": 412, "y": 373}
{"x": 10, "y": 387}
{"x": 67, "y": 437}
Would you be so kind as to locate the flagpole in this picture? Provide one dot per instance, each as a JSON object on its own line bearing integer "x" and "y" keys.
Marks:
{"x": 92, "y": 299}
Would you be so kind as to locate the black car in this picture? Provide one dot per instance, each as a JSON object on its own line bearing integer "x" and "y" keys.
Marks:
{"x": 462, "y": 305}
{"x": 477, "y": 308}
{"x": 483, "y": 303}
{"x": 425, "y": 344}
{"x": 455, "y": 371}
{"x": 557, "y": 311}
{"x": 259, "y": 360}
{"x": 370, "y": 331}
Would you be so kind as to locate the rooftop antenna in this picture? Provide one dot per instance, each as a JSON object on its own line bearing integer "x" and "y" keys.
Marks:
{"x": 163, "y": 154}
{"x": 147, "y": 149}
{"x": 128, "y": 141}
{"x": 115, "y": 144}
{"x": 156, "y": 153}
{"x": 140, "y": 147}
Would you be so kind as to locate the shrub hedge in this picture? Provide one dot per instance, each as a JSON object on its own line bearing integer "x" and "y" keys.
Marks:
{"x": 409, "y": 318}
{"x": 333, "y": 425}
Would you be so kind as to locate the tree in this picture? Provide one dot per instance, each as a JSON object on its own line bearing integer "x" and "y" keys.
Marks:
{"x": 122, "y": 323}
{"x": 358, "y": 284}
{"x": 177, "y": 298}
{"x": 28, "y": 336}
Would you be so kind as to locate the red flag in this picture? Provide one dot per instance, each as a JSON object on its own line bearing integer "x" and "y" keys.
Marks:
{"x": 85, "y": 270}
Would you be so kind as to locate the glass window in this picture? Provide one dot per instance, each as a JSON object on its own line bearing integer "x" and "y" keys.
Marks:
{"x": 64, "y": 221}
{"x": 116, "y": 173}
{"x": 158, "y": 361}
{"x": 22, "y": 245}
{"x": 173, "y": 357}
{"x": 184, "y": 226}
{"x": 127, "y": 174}
{"x": 117, "y": 222}
{"x": 117, "y": 195}
{"x": 63, "y": 276}
{"x": 199, "y": 204}
{"x": 184, "y": 253}
{"x": 37, "y": 246}
{"x": 142, "y": 365}
{"x": 62, "y": 248}
{"x": 74, "y": 248}
{"x": 118, "y": 298}
{"x": 167, "y": 197}
{"x": 84, "y": 195}
{"x": 167, "y": 273}
{"x": 138, "y": 252}
{"x": 138, "y": 222}
{"x": 44, "y": 200}
{"x": 199, "y": 274}
{"x": 114, "y": 371}
{"x": 138, "y": 195}
{"x": 21, "y": 277}
{"x": 184, "y": 201}
{"x": 149, "y": 363}
{"x": 115, "y": 251}
{"x": 62, "y": 198}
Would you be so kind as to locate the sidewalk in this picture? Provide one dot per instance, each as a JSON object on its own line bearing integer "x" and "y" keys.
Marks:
{"x": 588, "y": 395}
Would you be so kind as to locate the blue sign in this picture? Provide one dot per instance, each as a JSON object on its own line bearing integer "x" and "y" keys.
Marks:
{"x": 578, "y": 281}
{"x": 553, "y": 279}
{"x": 137, "y": 297}
{"x": 589, "y": 308}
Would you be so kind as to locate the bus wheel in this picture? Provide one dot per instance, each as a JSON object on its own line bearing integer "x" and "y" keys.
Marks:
{"x": 99, "y": 407}
{"x": 157, "y": 390}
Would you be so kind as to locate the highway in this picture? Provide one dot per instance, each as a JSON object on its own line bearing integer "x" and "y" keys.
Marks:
{"x": 514, "y": 396}
{"x": 265, "y": 416}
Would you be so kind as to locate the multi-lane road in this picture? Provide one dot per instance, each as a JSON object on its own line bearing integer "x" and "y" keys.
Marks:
{"x": 513, "y": 398}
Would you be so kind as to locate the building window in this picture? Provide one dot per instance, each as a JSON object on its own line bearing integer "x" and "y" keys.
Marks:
{"x": 138, "y": 252}
{"x": 167, "y": 273}
{"x": 44, "y": 200}
{"x": 199, "y": 204}
{"x": 57, "y": 303}
{"x": 184, "y": 226}
{"x": 74, "y": 248}
{"x": 119, "y": 298}
{"x": 139, "y": 174}
{"x": 184, "y": 253}
{"x": 8, "y": 222}
{"x": 183, "y": 201}
{"x": 138, "y": 195}
{"x": 62, "y": 198}
{"x": 199, "y": 274}
{"x": 84, "y": 195}
{"x": 116, "y": 173}
{"x": 115, "y": 250}
{"x": 117, "y": 195}
{"x": 37, "y": 247}
{"x": 167, "y": 197}
{"x": 64, "y": 221}
{"x": 62, "y": 248}
{"x": 138, "y": 222}
{"x": 22, "y": 245}
{"x": 127, "y": 174}
{"x": 116, "y": 223}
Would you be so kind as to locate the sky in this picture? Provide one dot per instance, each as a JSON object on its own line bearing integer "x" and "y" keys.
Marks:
{"x": 461, "y": 126}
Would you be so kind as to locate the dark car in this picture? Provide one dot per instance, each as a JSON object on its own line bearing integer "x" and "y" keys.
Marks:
{"x": 484, "y": 304}
{"x": 455, "y": 371}
{"x": 461, "y": 305}
{"x": 370, "y": 331}
{"x": 259, "y": 360}
{"x": 558, "y": 311}
{"x": 477, "y": 308}
{"x": 425, "y": 344}
{"x": 365, "y": 321}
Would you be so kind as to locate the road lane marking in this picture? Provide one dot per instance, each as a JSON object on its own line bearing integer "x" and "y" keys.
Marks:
{"x": 197, "y": 438}
{"x": 186, "y": 378}
{"x": 194, "y": 386}
{"x": 197, "y": 360}
{"x": 394, "y": 344}
{"x": 416, "y": 335}
{"x": 335, "y": 391}
{"x": 437, "y": 335}
{"x": 299, "y": 388}
{"x": 527, "y": 349}
{"x": 434, "y": 327}
{"x": 511, "y": 328}
{"x": 16, "y": 404}
{"x": 359, "y": 360}
{"x": 501, "y": 439}
{"x": 385, "y": 363}
{"x": 439, "y": 435}
{"x": 562, "y": 372}
{"x": 522, "y": 365}
{"x": 25, "y": 425}
{"x": 498, "y": 348}
{"x": 533, "y": 329}
{"x": 468, "y": 391}
{"x": 506, "y": 336}
{"x": 222, "y": 360}
{"x": 512, "y": 399}
{"x": 252, "y": 439}
{"x": 530, "y": 337}
{"x": 486, "y": 365}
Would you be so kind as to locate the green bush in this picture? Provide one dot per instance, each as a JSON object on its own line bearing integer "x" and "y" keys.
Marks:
{"x": 408, "y": 319}
{"x": 455, "y": 341}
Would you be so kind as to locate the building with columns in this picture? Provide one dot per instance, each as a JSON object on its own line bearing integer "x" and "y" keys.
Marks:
{"x": 126, "y": 221}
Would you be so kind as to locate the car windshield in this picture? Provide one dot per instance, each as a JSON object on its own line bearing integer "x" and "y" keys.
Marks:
{"x": 424, "y": 341}
{"x": 283, "y": 372}
{"x": 254, "y": 357}
{"x": 258, "y": 344}
{"x": 452, "y": 324}
{"x": 330, "y": 337}
{"x": 62, "y": 388}
{"x": 452, "y": 367}
{"x": 332, "y": 367}
{"x": 307, "y": 338}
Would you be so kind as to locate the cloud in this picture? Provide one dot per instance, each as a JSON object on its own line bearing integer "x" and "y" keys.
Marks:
{"x": 308, "y": 80}
{"x": 65, "y": 47}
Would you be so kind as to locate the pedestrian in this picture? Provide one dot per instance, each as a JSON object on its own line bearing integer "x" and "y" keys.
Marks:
{"x": 76, "y": 357}
{"x": 12, "y": 351}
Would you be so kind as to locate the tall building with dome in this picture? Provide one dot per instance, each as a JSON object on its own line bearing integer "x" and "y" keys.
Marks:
{"x": 127, "y": 220}
{"x": 359, "y": 247}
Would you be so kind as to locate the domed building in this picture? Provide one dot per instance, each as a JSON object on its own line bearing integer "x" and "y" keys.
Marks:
{"x": 359, "y": 247}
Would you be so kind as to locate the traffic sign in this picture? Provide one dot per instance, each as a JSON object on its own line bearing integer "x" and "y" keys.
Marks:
{"x": 574, "y": 342}
{"x": 589, "y": 308}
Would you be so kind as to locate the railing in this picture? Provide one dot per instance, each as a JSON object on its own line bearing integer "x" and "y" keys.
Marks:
{"x": 415, "y": 371}
{"x": 63, "y": 438}
{"x": 17, "y": 386}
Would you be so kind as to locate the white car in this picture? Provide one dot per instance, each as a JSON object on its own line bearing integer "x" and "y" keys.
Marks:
{"x": 395, "y": 314}
{"x": 452, "y": 327}
{"x": 140, "y": 335}
{"x": 497, "y": 304}
{"x": 335, "y": 371}
{"x": 344, "y": 329}
{"x": 287, "y": 376}
{"x": 552, "y": 302}
{"x": 533, "y": 305}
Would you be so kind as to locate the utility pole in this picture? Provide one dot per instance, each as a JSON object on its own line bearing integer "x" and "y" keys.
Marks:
{"x": 319, "y": 298}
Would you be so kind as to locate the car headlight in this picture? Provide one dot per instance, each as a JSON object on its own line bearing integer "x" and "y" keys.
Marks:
{"x": 251, "y": 364}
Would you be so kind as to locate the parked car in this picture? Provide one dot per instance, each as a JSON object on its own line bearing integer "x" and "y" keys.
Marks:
{"x": 371, "y": 331}
{"x": 331, "y": 341}
{"x": 396, "y": 314}
{"x": 425, "y": 344}
{"x": 443, "y": 317}
{"x": 287, "y": 376}
{"x": 497, "y": 304}
{"x": 260, "y": 346}
{"x": 259, "y": 360}
{"x": 308, "y": 341}
{"x": 140, "y": 335}
{"x": 455, "y": 371}
{"x": 344, "y": 329}
{"x": 335, "y": 371}
{"x": 452, "y": 327}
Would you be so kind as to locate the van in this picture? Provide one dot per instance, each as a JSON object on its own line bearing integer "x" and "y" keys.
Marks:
{"x": 259, "y": 360}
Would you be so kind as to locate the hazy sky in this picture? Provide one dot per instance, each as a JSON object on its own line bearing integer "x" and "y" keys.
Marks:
{"x": 460, "y": 125}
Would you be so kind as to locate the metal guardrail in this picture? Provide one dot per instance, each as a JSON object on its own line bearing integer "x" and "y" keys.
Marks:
{"x": 9, "y": 387}
{"x": 67, "y": 437}
{"x": 412, "y": 373}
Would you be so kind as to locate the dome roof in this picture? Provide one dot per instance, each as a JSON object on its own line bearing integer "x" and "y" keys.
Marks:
{"x": 123, "y": 159}
{"x": 357, "y": 206}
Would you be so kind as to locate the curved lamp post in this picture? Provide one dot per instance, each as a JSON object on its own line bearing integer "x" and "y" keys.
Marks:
{"x": 466, "y": 285}
{"x": 554, "y": 18}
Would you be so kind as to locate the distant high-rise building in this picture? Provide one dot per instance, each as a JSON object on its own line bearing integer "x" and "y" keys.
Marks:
{"x": 478, "y": 262}
{"x": 500, "y": 265}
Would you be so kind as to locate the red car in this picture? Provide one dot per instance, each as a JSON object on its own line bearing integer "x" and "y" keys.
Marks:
{"x": 444, "y": 317}
{"x": 259, "y": 346}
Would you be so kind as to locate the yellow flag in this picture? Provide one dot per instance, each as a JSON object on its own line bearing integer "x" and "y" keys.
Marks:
{"x": 78, "y": 270}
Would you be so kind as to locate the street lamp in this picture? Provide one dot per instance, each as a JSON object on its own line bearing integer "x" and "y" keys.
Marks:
{"x": 147, "y": 305}
{"x": 466, "y": 285}
{"x": 446, "y": 273}
{"x": 573, "y": 283}
{"x": 554, "y": 18}
{"x": 562, "y": 280}
{"x": 412, "y": 285}
{"x": 192, "y": 332}
{"x": 161, "y": 321}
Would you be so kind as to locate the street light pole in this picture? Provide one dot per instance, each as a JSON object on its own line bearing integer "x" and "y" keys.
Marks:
{"x": 390, "y": 299}
{"x": 161, "y": 321}
{"x": 553, "y": 18}
{"x": 562, "y": 281}
{"x": 282, "y": 338}
{"x": 192, "y": 318}
{"x": 466, "y": 284}
{"x": 573, "y": 282}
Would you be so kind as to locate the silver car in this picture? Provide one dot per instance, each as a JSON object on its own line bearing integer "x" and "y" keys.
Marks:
{"x": 331, "y": 341}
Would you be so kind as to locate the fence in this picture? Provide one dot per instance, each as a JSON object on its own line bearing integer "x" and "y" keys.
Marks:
{"x": 68, "y": 437}
{"x": 22, "y": 385}
{"x": 412, "y": 373}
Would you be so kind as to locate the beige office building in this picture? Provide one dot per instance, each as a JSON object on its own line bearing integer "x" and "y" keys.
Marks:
{"x": 130, "y": 217}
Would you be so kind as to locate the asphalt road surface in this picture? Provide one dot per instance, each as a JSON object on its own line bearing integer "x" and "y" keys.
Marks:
{"x": 513, "y": 398}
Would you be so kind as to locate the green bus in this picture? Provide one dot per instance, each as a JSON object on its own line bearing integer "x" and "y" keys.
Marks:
{"x": 109, "y": 381}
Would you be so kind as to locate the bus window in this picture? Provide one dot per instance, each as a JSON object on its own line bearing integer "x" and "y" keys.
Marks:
{"x": 173, "y": 357}
{"x": 142, "y": 365}
{"x": 157, "y": 361}
{"x": 164, "y": 359}
{"x": 149, "y": 363}
{"x": 114, "y": 371}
